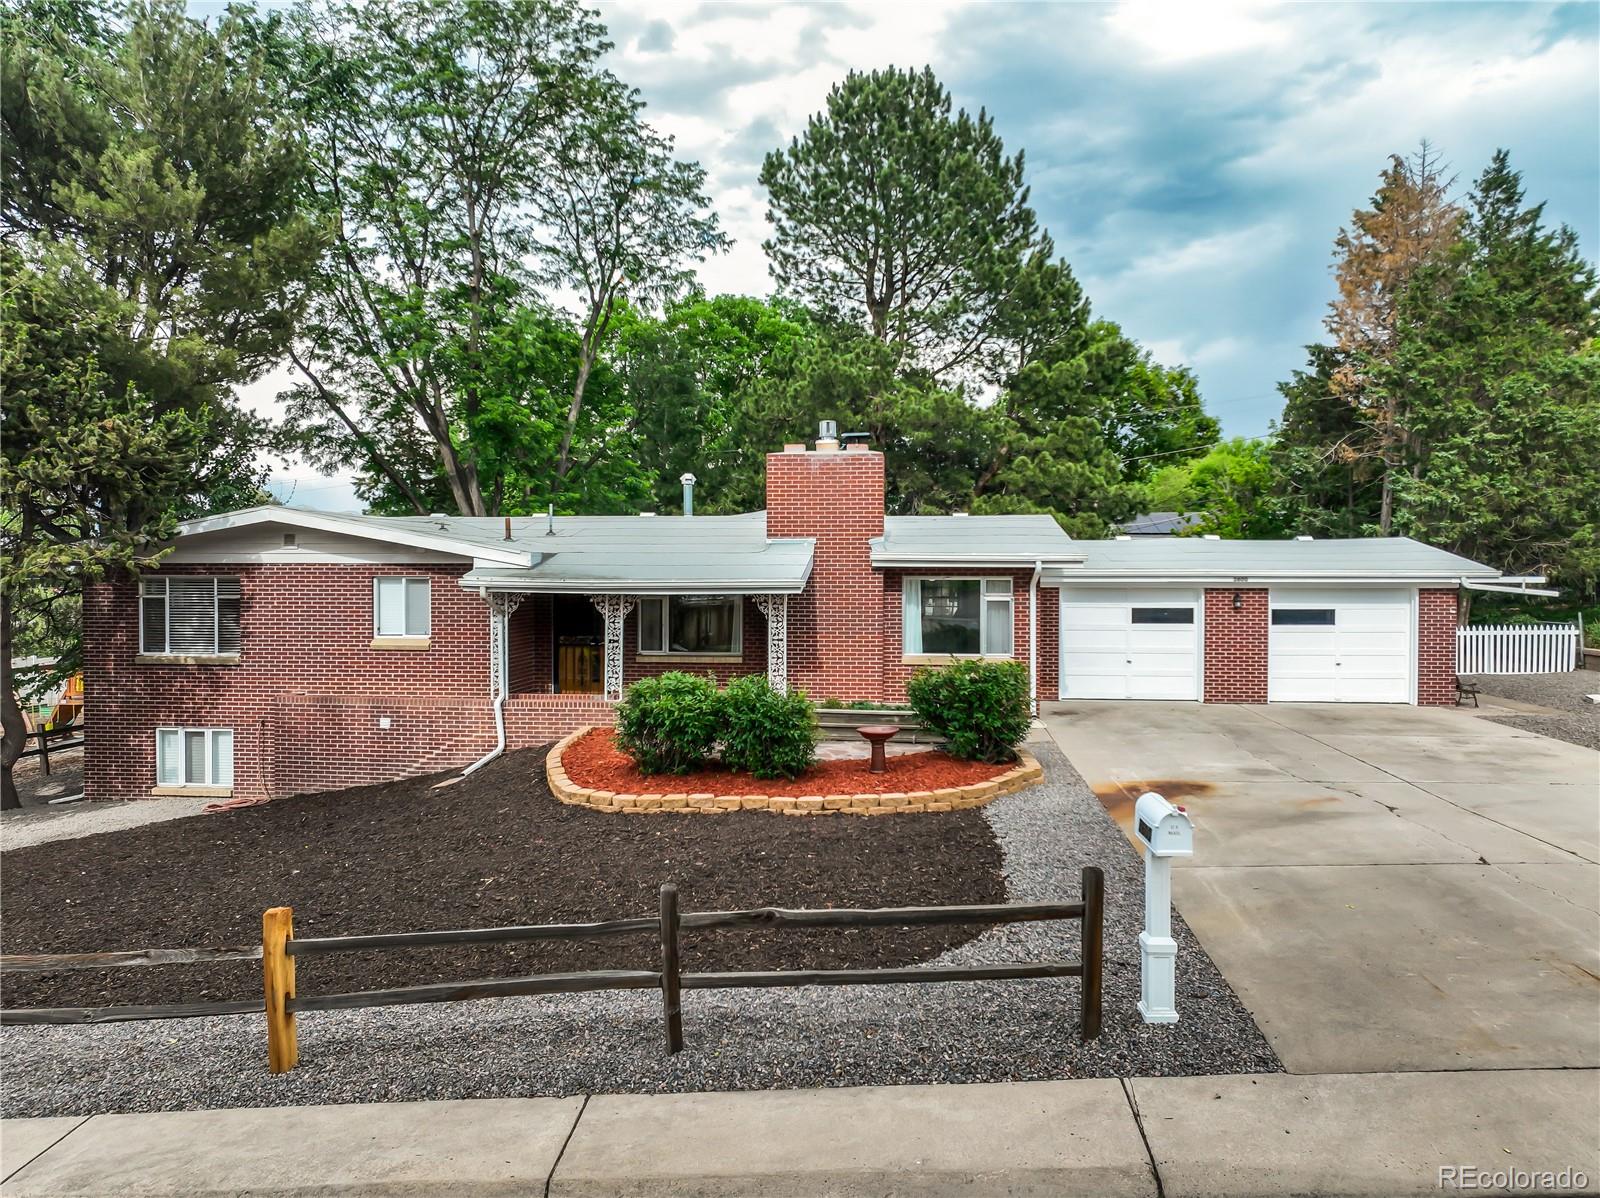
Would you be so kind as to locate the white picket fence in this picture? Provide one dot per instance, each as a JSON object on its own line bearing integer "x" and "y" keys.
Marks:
{"x": 1518, "y": 648}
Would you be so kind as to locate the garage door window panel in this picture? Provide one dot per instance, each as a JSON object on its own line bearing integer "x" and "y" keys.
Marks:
{"x": 1304, "y": 617}
{"x": 1163, "y": 615}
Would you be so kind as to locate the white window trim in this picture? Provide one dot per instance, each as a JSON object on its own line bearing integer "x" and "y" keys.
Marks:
{"x": 913, "y": 583}
{"x": 166, "y": 650}
{"x": 690, "y": 654}
{"x": 402, "y": 635}
{"x": 211, "y": 765}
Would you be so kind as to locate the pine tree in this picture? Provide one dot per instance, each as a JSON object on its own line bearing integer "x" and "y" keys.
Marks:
{"x": 1411, "y": 223}
{"x": 1497, "y": 363}
{"x": 155, "y": 255}
{"x": 892, "y": 212}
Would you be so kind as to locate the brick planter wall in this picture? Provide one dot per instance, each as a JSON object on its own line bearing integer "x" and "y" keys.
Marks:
{"x": 1236, "y": 646}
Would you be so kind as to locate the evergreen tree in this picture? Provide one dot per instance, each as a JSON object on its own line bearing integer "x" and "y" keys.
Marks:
{"x": 155, "y": 256}
{"x": 891, "y": 211}
{"x": 1365, "y": 435}
{"x": 1498, "y": 364}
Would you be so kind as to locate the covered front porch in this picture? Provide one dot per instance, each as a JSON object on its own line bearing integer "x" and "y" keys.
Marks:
{"x": 588, "y": 645}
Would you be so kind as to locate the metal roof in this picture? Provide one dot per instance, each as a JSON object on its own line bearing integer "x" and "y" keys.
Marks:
{"x": 648, "y": 554}
{"x": 932, "y": 540}
{"x": 1375, "y": 558}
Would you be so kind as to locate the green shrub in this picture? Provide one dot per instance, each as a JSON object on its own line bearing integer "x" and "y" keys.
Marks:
{"x": 764, "y": 733}
{"x": 670, "y": 724}
{"x": 980, "y": 707}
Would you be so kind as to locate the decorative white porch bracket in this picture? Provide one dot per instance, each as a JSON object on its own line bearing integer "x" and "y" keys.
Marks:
{"x": 776, "y": 609}
{"x": 615, "y": 609}
{"x": 501, "y": 605}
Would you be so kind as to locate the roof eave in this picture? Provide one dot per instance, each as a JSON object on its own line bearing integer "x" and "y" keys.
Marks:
{"x": 1212, "y": 577}
{"x": 896, "y": 561}
{"x": 580, "y": 586}
{"x": 358, "y": 527}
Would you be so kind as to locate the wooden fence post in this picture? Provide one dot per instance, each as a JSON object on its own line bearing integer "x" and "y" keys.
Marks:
{"x": 1094, "y": 895}
{"x": 277, "y": 974}
{"x": 671, "y": 1002}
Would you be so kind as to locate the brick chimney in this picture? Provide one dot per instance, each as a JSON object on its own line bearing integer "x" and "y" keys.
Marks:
{"x": 836, "y": 625}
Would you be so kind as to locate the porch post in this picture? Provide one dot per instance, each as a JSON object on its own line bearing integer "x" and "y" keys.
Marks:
{"x": 615, "y": 609}
{"x": 501, "y": 605}
{"x": 776, "y": 609}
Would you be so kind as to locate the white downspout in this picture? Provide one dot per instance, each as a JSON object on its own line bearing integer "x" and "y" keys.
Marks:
{"x": 1033, "y": 637}
{"x": 499, "y": 737}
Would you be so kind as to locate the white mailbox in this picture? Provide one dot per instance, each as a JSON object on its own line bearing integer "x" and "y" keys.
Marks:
{"x": 1162, "y": 827}
{"x": 1166, "y": 832}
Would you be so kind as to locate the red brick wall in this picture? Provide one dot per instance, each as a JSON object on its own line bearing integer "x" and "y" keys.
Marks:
{"x": 895, "y": 671}
{"x": 1236, "y": 646}
{"x": 306, "y": 698}
{"x": 529, "y": 647}
{"x": 1049, "y": 643}
{"x": 836, "y": 626}
{"x": 1436, "y": 648}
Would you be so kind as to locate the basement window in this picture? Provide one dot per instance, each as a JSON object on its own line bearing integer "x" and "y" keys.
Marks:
{"x": 964, "y": 617}
{"x": 691, "y": 624}
{"x": 196, "y": 616}
{"x": 194, "y": 756}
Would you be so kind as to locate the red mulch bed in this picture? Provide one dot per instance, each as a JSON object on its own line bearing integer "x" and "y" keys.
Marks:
{"x": 593, "y": 760}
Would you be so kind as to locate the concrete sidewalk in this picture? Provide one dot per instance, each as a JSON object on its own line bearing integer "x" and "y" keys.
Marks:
{"x": 1353, "y": 1134}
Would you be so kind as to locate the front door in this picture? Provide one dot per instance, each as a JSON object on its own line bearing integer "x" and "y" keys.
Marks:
{"x": 580, "y": 646}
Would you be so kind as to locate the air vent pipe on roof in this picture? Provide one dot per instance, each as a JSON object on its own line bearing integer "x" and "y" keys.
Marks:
{"x": 688, "y": 481}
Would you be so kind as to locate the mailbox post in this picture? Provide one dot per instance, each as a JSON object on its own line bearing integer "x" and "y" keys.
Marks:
{"x": 1166, "y": 832}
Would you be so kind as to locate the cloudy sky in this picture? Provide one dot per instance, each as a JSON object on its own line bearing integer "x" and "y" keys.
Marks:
{"x": 1193, "y": 160}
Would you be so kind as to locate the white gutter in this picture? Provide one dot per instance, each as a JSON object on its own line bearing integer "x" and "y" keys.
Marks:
{"x": 1213, "y": 578}
{"x": 1521, "y": 589}
{"x": 894, "y": 561}
{"x": 1033, "y": 636}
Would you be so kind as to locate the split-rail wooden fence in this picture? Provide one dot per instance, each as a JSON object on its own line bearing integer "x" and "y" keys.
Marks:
{"x": 279, "y": 952}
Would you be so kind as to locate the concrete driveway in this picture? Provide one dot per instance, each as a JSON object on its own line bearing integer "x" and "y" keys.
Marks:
{"x": 1386, "y": 888}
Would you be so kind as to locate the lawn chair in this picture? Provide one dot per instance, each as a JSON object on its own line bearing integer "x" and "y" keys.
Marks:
{"x": 1465, "y": 690}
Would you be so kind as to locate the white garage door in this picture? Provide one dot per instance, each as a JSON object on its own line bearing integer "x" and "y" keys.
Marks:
{"x": 1130, "y": 644}
{"x": 1339, "y": 647}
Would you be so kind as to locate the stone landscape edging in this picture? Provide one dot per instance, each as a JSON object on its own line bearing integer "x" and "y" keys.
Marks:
{"x": 1026, "y": 772}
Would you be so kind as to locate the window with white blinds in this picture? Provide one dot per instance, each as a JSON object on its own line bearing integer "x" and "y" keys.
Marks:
{"x": 401, "y": 606}
{"x": 189, "y": 615}
{"x": 194, "y": 756}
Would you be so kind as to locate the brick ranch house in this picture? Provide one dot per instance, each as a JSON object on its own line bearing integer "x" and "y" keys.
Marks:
{"x": 279, "y": 651}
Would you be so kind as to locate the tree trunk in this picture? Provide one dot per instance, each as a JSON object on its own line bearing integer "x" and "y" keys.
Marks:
{"x": 564, "y": 459}
{"x": 10, "y": 714}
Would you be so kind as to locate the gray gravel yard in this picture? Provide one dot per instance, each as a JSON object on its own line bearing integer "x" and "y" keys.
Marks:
{"x": 736, "y": 1040}
{"x": 1575, "y": 720}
